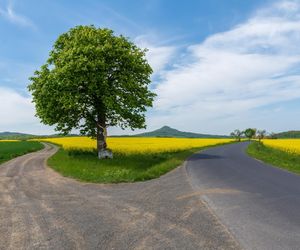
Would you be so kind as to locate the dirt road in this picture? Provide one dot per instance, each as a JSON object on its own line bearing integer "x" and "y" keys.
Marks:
{"x": 39, "y": 209}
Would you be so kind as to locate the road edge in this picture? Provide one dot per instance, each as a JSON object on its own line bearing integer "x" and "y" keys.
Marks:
{"x": 209, "y": 208}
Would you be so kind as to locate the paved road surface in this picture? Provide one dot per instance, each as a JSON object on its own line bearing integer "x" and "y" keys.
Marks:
{"x": 259, "y": 204}
{"x": 39, "y": 209}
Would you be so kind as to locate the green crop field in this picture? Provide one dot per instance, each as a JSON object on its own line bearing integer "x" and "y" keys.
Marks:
{"x": 12, "y": 149}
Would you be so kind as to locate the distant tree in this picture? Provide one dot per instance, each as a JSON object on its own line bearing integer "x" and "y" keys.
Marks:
{"x": 250, "y": 133}
{"x": 93, "y": 79}
{"x": 261, "y": 134}
{"x": 237, "y": 134}
{"x": 272, "y": 135}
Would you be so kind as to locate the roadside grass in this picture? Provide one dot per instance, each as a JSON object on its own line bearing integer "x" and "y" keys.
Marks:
{"x": 85, "y": 166}
{"x": 12, "y": 149}
{"x": 130, "y": 167}
{"x": 275, "y": 157}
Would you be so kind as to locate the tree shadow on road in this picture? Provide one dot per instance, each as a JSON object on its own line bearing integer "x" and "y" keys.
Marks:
{"x": 201, "y": 156}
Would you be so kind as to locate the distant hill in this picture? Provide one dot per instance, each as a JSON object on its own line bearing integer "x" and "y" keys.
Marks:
{"x": 167, "y": 131}
{"x": 22, "y": 136}
{"x": 11, "y": 134}
{"x": 289, "y": 134}
{"x": 15, "y": 136}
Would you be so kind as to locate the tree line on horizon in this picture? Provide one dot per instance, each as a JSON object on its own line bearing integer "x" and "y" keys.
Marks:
{"x": 252, "y": 133}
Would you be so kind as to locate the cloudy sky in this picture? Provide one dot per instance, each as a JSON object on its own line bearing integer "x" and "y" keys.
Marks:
{"x": 218, "y": 64}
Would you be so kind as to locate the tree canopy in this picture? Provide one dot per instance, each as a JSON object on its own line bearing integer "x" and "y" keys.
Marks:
{"x": 237, "y": 134}
{"x": 250, "y": 133}
{"x": 93, "y": 79}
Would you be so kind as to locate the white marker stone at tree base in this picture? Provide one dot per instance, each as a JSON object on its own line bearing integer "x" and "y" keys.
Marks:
{"x": 105, "y": 154}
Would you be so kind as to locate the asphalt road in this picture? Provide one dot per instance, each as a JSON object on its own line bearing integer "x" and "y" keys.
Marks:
{"x": 39, "y": 209}
{"x": 258, "y": 203}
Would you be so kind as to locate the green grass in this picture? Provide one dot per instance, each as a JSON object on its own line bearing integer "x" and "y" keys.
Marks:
{"x": 275, "y": 157}
{"x": 9, "y": 150}
{"x": 85, "y": 166}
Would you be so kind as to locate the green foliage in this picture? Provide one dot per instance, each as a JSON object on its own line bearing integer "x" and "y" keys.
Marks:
{"x": 92, "y": 78}
{"x": 261, "y": 134}
{"x": 250, "y": 133}
{"x": 9, "y": 150}
{"x": 237, "y": 134}
{"x": 275, "y": 157}
{"x": 288, "y": 134}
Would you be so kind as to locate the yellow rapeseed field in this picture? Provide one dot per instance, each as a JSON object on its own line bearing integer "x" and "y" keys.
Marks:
{"x": 287, "y": 145}
{"x": 7, "y": 140}
{"x": 136, "y": 144}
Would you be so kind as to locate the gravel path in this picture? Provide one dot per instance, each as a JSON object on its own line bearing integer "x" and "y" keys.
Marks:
{"x": 39, "y": 209}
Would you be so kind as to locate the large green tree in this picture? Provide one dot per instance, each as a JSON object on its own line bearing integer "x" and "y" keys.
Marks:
{"x": 250, "y": 133}
{"x": 93, "y": 79}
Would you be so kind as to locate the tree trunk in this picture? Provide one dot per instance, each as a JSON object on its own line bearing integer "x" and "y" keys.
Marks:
{"x": 103, "y": 152}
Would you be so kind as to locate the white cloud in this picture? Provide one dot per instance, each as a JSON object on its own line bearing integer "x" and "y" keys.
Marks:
{"x": 213, "y": 87}
{"x": 14, "y": 108}
{"x": 292, "y": 5}
{"x": 17, "y": 113}
{"x": 157, "y": 56}
{"x": 252, "y": 65}
{"x": 9, "y": 14}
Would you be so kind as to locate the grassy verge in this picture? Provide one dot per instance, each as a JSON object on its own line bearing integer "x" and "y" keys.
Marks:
{"x": 9, "y": 150}
{"x": 85, "y": 166}
{"x": 275, "y": 157}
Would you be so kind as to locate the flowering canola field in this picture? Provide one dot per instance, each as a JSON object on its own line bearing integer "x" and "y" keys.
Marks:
{"x": 8, "y": 140}
{"x": 137, "y": 144}
{"x": 287, "y": 145}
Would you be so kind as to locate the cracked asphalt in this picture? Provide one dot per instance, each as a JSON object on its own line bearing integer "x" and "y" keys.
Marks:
{"x": 39, "y": 209}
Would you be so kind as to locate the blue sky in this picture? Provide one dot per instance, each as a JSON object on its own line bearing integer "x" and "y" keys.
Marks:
{"x": 218, "y": 64}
